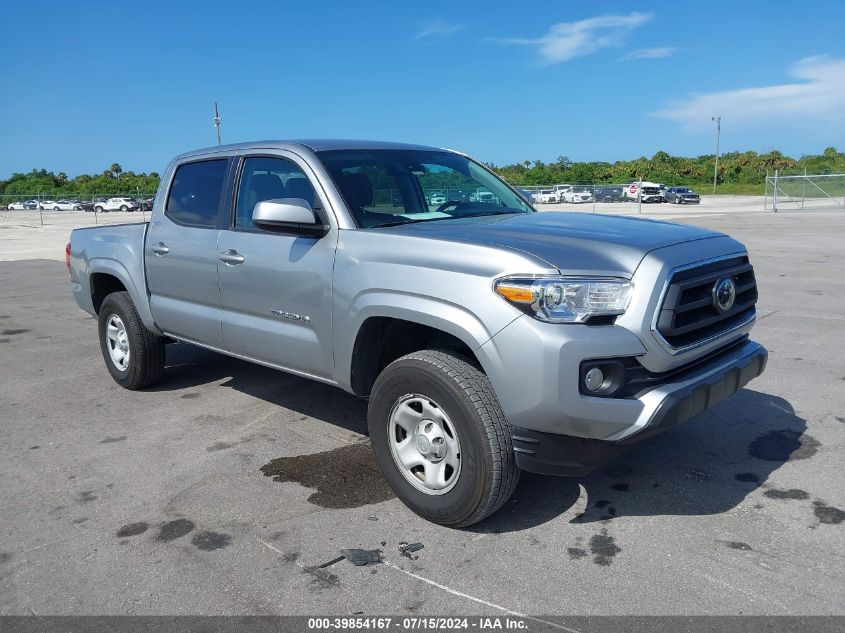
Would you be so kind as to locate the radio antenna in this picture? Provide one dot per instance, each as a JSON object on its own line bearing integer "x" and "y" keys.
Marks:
{"x": 217, "y": 121}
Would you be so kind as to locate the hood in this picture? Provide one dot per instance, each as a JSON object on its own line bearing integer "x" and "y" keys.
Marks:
{"x": 574, "y": 243}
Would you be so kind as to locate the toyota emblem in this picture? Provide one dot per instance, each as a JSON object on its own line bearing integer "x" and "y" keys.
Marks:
{"x": 724, "y": 294}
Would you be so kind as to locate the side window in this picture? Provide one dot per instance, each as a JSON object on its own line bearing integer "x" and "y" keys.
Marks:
{"x": 194, "y": 197}
{"x": 264, "y": 178}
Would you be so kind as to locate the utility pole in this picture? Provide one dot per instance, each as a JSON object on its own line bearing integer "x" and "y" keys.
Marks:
{"x": 217, "y": 122}
{"x": 718, "y": 121}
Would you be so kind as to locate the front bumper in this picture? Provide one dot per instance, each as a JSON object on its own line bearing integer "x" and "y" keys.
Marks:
{"x": 668, "y": 405}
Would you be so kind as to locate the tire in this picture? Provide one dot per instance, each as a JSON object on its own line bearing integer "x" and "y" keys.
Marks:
{"x": 145, "y": 362}
{"x": 124, "y": 208}
{"x": 486, "y": 472}
{"x": 98, "y": 209}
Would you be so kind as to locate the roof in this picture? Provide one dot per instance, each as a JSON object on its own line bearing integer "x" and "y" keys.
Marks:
{"x": 317, "y": 145}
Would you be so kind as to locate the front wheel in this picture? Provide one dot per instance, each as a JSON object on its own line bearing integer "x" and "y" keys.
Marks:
{"x": 134, "y": 356}
{"x": 441, "y": 439}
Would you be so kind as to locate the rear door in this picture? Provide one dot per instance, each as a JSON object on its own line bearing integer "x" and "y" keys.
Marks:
{"x": 181, "y": 253}
{"x": 276, "y": 288}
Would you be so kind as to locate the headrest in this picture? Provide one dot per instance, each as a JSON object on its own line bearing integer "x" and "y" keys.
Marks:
{"x": 358, "y": 190}
{"x": 267, "y": 187}
{"x": 300, "y": 188}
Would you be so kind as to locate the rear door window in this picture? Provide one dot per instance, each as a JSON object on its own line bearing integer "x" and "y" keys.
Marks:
{"x": 194, "y": 198}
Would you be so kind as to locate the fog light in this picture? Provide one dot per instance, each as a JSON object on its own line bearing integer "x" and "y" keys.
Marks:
{"x": 593, "y": 379}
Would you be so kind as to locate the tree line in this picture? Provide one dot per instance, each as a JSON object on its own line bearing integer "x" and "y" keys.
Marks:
{"x": 112, "y": 181}
{"x": 745, "y": 170}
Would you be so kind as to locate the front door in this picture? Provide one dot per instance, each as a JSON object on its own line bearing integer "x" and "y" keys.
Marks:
{"x": 181, "y": 254}
{"x": 276, "y": 288}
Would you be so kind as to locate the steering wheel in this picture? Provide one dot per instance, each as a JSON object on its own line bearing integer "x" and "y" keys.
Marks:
{"x": 447, "y": 204}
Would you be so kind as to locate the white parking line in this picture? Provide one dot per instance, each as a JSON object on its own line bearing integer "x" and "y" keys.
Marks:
{"x": 454, "y": 592}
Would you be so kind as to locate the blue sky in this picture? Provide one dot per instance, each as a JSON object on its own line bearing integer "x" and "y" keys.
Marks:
{"x": 86, "y": 84}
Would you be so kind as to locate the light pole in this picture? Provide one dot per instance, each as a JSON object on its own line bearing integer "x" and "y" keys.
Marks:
{"x": 718, "y": 121}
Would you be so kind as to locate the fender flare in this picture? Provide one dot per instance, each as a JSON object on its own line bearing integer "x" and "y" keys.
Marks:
{"x": 436, "y": 313}
{"x": 108, "y": 266}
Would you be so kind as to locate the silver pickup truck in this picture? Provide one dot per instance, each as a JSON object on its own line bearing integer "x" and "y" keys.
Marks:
{"x": 489, "y": 338}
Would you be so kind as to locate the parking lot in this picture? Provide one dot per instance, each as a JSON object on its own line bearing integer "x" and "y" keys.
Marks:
{"x": 223, "y": 489}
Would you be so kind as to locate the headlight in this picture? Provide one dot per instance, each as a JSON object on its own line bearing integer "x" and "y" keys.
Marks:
{"x": 566, "y": 299}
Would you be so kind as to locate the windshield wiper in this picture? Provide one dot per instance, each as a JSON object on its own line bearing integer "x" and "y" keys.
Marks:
{"x": 409, "y": 221}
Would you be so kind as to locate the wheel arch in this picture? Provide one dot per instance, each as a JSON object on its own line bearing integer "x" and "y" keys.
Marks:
{"x": 379, "y": 334}
{"x": 109, "y": 275}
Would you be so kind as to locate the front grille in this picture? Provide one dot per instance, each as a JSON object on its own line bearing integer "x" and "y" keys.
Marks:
{"x": 690, "y": 314}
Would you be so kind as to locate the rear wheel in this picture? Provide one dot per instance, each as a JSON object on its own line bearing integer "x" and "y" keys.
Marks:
{"x": 124, "y": 208}
{"x": 134, "y": 356}
{"x": 441, "y": 439}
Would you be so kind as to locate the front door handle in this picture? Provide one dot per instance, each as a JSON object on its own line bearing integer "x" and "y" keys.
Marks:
{"x": 231, "y": 257}
{"x": 160, "y": 248}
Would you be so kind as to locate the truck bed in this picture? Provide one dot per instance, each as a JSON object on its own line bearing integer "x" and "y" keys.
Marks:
{"x": 113, "y": 249}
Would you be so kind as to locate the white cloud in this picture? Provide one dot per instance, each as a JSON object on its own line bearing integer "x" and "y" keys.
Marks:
{"x": 437, "y": 28}
{"x": 650, "y": 53}
{"x": 819, "y": 93}
{"x": 567, "y": 40}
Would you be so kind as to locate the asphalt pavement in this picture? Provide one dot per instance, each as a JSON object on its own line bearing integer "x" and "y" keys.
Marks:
{"x": 225, "y": 488}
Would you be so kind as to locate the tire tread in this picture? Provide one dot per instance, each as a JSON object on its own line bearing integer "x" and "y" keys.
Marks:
{"x": 477, "y": 388}
{"x": 148, "y": 352}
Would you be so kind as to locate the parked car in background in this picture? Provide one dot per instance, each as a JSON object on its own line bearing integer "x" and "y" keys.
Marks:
{"x": 548, "y": 196}
{"x": 85, "y": 205}
{"x": 486, "y": 197}
{"x": 577, "y": 194}
{"x": 25, "y": 205}
{"x": 529, "y": 196}
{"x": 559, "y": 189}
{"x": 682, "y": 195}
{"x": 64, "y": 205}
{"x": 644, "y": 191}
{"x": 609, "y": 194}
{"x": 437, "y": 199}
{"x": 46, "y": 204}
{"x": 663, "y": 188}
{"x": 116, "y": 204}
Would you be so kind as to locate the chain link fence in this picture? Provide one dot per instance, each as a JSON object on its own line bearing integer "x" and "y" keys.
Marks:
{"x": 44, "y": 204}
{"x": 804, "y": 191}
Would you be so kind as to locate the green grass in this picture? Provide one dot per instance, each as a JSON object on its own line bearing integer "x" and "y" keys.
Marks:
{"x": 730, "y": 188}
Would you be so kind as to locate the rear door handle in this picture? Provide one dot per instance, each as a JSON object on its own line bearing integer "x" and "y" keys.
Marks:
{"x": 231, "y": 257}
{"x": 160, "y": 248}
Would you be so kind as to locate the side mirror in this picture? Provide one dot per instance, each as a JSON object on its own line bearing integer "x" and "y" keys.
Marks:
{"x": 288, "y": 215}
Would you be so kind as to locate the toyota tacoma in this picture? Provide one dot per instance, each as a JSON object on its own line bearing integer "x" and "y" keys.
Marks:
{"x": 489, "y": 338}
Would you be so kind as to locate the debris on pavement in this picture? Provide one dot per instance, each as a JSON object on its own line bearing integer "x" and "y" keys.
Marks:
{"x": 406, "y": 549}
{"x": 360, "y": 557}
{"x": 330, "y": 563}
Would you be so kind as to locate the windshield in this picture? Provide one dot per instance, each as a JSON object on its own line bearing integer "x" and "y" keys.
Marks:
{"x": 683, "y": 190}
{"x": 385, "y": 187}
